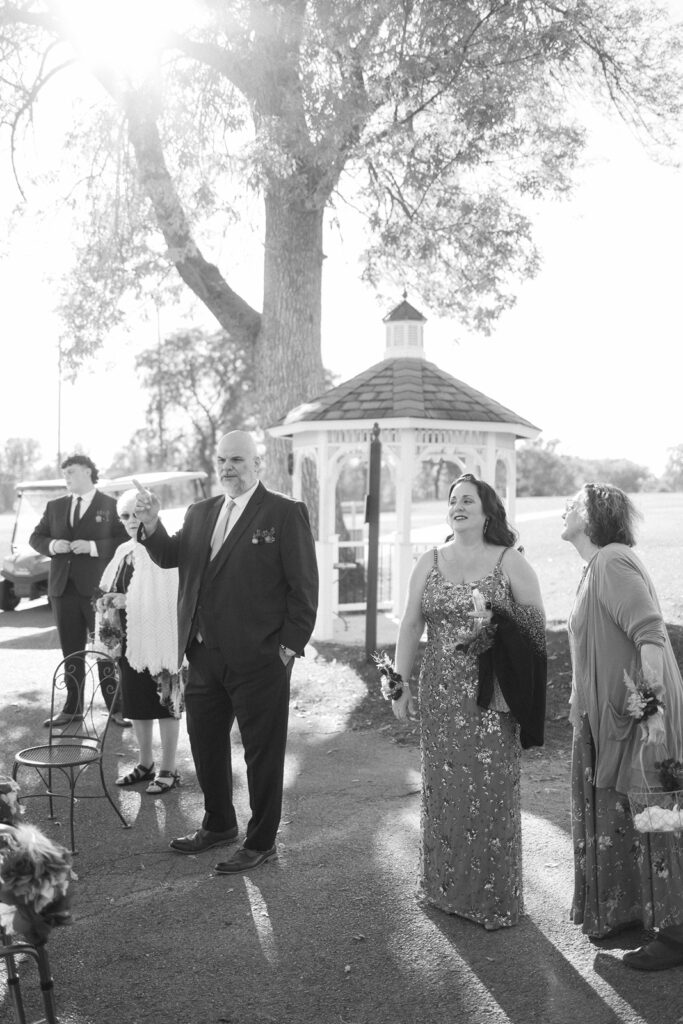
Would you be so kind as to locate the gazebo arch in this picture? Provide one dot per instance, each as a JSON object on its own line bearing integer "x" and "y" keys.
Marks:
{"x": 423, "y": 413}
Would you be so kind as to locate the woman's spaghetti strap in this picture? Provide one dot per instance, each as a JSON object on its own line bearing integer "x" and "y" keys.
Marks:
{"x": 436, "y": 557}
{"x": 502, "y": 556}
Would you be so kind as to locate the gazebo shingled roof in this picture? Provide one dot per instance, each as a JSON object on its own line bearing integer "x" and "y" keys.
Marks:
{"x": 402, "y": 388}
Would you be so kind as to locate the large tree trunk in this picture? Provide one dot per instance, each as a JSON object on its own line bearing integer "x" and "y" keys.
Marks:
{"x": 288, "y": 364}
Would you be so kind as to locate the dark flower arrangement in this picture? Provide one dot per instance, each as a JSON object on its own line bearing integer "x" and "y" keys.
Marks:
{"x": 392, "y": 681}
{"x": 35, "y": 874}
{"x": 110, "y": 632}
{"x": 670, "y": 774}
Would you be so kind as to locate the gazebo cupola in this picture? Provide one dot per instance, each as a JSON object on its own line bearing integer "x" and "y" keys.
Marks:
{"x": 425, "y": 416}
{"x": 404, "y": 332}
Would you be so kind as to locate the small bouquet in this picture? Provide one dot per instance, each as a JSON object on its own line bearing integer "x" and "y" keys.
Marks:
{"x": 35, "y": 875}
{"x": 392, "y": 681}
{"x": 645, "y": 705}
{"x": 480, "y": 636}
{"x": 109, "y": 629}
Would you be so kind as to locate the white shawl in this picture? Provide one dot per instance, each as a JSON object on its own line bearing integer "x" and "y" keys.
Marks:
{"x": 151, "y": 610}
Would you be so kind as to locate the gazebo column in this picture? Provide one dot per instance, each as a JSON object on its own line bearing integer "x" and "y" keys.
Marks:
{"x": 511, "y": 493}
{"x": 489, "y": 467}
{"x": 297, "y": 482}
{"x": 403, "y": 551}
{"x": 325, "y": 546}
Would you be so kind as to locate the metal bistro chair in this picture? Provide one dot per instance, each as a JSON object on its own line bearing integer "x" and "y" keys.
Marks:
{"x": 72, "y": 748}
{"x": 8, "y": 951}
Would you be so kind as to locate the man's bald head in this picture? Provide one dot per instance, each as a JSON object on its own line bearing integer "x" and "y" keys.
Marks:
{"x": 237, "y": 462}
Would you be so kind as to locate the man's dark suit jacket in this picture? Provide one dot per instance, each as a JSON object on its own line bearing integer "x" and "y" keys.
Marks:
{"x": 99, "y": 523}
{"x": 260, "y": 591}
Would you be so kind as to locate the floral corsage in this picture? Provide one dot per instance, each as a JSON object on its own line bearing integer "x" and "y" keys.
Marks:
{"x": 392, "y": 681}
{"x": 645, "y": 705}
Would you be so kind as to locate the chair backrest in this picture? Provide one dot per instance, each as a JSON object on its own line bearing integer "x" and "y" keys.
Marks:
{"x": 91, "y": 670}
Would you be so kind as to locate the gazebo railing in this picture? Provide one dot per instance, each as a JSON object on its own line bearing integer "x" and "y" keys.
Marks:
{"x": 350, "y": 568}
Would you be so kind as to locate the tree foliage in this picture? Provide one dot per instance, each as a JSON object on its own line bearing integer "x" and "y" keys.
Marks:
{"x": 436, "y": 120}
{"x": 542, "y": 470}
{"x": 673, "y": 472}
{"x": 199, "y": 387}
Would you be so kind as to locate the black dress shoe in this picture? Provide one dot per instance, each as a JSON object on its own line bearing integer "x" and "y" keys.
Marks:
{"x": 63, "y": 718}
{"x": 244, "y": 859}
{"x": 202, "y": 839}
{"x": 659, "y": 955}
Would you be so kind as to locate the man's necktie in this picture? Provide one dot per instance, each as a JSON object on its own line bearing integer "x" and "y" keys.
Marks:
{"x": 77, "y": 512}
{"x": 221, "y": 532}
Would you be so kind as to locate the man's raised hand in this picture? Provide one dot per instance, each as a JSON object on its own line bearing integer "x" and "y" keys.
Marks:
{"x": 147, "y": 507}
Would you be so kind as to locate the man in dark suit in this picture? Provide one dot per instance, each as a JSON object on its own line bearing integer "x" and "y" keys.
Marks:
{"x": 248, "y": 594}
{"x": 80, "y": 532}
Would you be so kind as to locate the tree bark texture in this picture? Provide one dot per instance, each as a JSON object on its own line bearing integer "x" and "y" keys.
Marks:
{"x": 288, "y": 364}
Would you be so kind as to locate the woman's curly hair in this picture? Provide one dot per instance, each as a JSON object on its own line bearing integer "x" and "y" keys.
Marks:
{"x": 498, "y": 529}
{"x": 610, "y": 515}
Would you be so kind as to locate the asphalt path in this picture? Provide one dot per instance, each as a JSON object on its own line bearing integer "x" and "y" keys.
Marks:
{"x": 330, "y": 932}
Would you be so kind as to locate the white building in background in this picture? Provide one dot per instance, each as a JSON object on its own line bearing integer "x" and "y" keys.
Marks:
{"x": 425, "y": 416}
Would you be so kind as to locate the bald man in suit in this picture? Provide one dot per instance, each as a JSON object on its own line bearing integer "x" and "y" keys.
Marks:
{"x": 248, "y": 593}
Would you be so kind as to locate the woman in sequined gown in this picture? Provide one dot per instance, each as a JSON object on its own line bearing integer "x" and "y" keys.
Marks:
{"x": 471, "y": 861}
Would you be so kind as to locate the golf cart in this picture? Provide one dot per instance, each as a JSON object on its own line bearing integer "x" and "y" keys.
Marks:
{"x": 25, "y": 572}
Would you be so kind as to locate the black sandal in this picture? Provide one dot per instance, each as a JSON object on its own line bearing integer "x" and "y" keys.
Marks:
{"x": 163, "y": 781}
{"x": 139, "y": 774}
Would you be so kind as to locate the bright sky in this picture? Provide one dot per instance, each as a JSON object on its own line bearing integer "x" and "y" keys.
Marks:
{"x": 590, "y": 354}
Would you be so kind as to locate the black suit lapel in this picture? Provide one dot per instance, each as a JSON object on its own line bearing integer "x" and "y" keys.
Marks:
{"x": 239, "y": 529}
{"x": 64, "y": 528}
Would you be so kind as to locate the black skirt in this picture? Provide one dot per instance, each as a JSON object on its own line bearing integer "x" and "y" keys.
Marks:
{"x": 139, "y": 694}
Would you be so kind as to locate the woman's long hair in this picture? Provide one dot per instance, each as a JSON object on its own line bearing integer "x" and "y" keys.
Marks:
{"x": 498, "y": 529}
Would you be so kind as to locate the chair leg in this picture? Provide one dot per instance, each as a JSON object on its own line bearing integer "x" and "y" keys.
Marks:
{"x": 8, "y": 951}
{"x": 72, "y": 804}
{"x": 49, "y": 793}
{"x": 106, "y": 793}
{"x": 13, "y": 985}
{"x": 47, "y": 985}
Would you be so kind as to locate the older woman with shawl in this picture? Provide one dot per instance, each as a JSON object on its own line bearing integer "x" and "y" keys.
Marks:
{"x": 137, "y": 622}
{"x": 627, "y": 713}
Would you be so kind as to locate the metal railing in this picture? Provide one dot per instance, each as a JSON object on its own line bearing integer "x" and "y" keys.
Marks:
{"x": 351, "y": 571}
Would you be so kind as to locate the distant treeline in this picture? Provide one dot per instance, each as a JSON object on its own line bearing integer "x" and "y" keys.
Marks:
{"x": 541, "y": 470}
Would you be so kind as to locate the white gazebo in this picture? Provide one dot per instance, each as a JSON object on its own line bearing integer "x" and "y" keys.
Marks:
{"x": 424, "y": 415}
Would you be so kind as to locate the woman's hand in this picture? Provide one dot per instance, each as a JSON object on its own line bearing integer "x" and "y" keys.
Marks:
{"x": 404, "y": 706}
{"x": 112, "y": 600}
{"x": 652, "y": 731}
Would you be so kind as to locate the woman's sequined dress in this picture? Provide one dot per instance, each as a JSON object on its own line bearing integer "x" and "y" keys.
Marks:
{"x": 471, "y": 813}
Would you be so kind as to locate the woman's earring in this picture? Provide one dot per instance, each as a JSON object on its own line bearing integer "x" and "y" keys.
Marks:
{"x": 486, "y": 524}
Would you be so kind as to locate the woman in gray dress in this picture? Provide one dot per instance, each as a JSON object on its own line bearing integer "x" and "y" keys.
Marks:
{"x": 471, "y": 861}
{"x": 622, "y": 877}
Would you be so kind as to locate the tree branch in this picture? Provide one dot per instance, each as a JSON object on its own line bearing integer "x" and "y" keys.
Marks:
{"x": 232, "y": 312}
